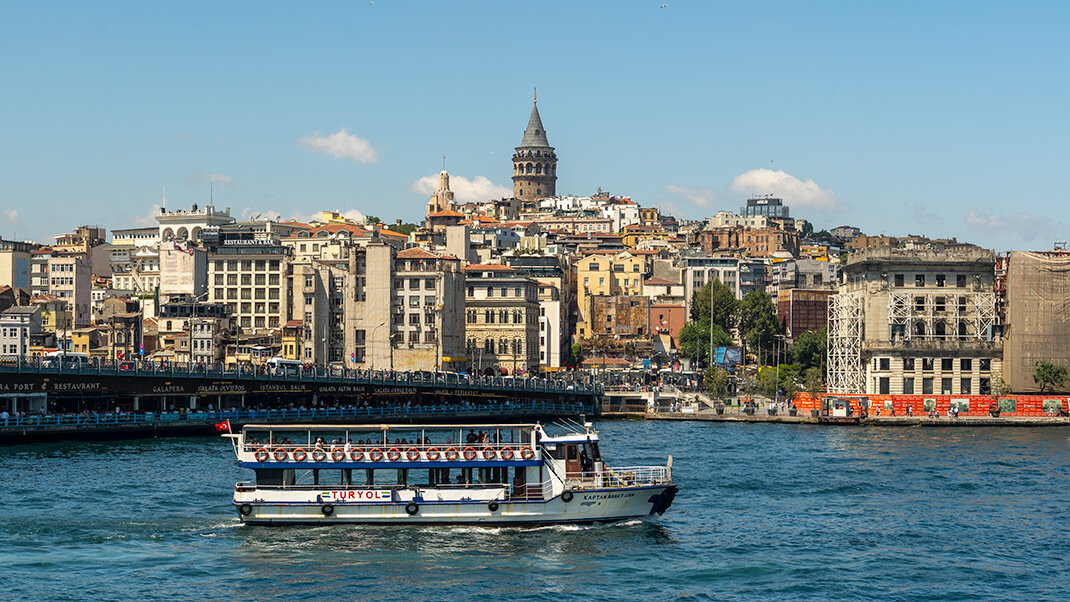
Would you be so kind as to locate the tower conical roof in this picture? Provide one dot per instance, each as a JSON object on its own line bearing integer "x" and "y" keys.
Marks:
{"x": 534, "y": 135}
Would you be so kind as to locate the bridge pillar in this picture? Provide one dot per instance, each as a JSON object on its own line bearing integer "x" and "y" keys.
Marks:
{"x": 243, "y": 401}
{"x": 137, "y": 403}
{"x": 193, "y": 402}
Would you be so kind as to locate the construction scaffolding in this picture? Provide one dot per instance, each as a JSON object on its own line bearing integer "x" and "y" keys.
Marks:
{"x": 1038, "y": 316}
{"x": 941, "y": 317}
{"x": 844, "y": 374}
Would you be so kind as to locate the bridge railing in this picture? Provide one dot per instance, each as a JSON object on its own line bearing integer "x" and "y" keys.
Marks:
{"x": 101, "y": 366}
{"x": 90, "y": 420}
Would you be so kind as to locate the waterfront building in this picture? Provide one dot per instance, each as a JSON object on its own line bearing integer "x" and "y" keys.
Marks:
{"x": 534, "y": 163}
{"x": 187, "y": 225}
{"x": 915, "y": 322}
{"x": 501, "y": 316}
{"x": 70, "y": 279}
{"x": 1037, "y": 289}
{"x": 15, "y": 264}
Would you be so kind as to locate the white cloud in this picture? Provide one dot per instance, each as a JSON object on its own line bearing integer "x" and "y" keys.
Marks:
{"x": 148, "y": 219}
{"x": 11, "y": 215}
{"x": 795, "y": 192}
{"x": 479, "y": 188}
{"x": 1025, "y": 225}
{"x": 215, "y": 178}
{"x": 699, "y": 196}
{"x": 341, "y": 144}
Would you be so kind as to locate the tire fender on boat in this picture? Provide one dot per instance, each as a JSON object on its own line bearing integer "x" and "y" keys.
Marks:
{"x": 245, "y": 509}
{"x": 566, "y": 497}
{"x": 327, "y": 509}
{"x": 412, "y": 508}
{"x": 492, "y": 506}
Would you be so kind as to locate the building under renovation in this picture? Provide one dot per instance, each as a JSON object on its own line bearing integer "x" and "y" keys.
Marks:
{"x": 1038, "y": 316}
{"x": 915, "y": 322}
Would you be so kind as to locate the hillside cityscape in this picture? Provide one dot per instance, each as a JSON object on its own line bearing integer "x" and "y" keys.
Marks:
{"x": 542, "y": 282}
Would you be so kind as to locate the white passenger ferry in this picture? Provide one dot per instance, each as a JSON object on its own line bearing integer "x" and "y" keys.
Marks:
{"x": 448, "y": 474}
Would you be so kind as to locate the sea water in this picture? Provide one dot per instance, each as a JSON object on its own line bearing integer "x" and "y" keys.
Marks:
{"x": 765, "y": 511}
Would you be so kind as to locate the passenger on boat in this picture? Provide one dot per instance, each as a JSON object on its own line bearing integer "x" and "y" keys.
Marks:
{"x": 348, "y": 447}
{"x": 471, "y": 438}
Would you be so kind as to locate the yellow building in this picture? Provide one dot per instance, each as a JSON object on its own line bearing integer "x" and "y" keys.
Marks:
{"x": 606, "y": 275}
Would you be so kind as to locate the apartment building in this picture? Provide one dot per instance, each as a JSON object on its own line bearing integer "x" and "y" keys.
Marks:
{"x": 501, "y": 320}
{"x": 605, "y": 275}
{"x": 17, "y": 325}
{"x": 250, "y": 275}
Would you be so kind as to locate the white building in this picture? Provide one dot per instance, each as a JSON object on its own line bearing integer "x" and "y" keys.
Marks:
{"x": 16, "y": 325}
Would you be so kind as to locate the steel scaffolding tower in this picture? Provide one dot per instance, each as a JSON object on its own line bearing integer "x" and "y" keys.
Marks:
{"x": 844, "y": 374}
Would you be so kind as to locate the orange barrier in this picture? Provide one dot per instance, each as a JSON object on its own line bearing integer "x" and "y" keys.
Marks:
{"x": 1013, "y": 405}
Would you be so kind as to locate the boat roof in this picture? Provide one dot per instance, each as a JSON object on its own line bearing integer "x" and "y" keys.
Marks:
{"x": 381, "y": 427}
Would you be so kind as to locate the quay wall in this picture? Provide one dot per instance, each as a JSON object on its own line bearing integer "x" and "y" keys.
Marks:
{"x": 1027, "y": 406}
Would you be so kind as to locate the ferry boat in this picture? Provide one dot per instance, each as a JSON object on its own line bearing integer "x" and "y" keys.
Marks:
{"x": 511, "y": 474}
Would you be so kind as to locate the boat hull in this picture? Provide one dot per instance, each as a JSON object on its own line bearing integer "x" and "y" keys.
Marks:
{"x": 585, "y": 506}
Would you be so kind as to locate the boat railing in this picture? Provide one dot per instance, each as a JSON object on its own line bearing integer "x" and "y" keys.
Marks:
{"x": 619, "y": 477}
{"x": 299, "y": 453}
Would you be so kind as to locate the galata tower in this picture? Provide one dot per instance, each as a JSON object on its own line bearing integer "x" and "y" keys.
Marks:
{"x": 534, "y": 162}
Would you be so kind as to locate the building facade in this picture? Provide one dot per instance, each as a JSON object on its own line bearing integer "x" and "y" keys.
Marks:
{"x": 501, "y": 320}
{"x": 534, "y": 163}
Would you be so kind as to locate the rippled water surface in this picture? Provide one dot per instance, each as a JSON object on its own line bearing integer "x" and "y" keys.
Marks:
{"x": 765, "y": 512}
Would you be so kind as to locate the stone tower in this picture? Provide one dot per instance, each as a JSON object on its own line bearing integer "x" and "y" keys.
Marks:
{"x": 441, "y": 199}
{"x": 534, "y": 162}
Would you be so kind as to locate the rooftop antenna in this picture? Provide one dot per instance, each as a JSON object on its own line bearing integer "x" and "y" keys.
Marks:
{"x": 211, "y": 193}
{"x": 443, "y": 162}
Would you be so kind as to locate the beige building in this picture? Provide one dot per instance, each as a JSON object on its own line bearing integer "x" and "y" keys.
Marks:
{"x": 605, "y": 275}
{"x": 915, "y": 323}
{"x": 534, "y": 163}
{"x": 502, "y": 327}
{"x": 442, "y": 198}
{"x": 70, "y": 279}
{"x": 371, "y": 306}
{"x": 250, "y": 276}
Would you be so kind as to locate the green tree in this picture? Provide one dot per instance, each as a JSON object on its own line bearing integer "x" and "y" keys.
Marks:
{"x": 1049, "y": 376}
{"x": 725, "y": 305}
{"x": 371, "y": 219}
{"x": 807, "y": 228}
{"x": 758, "y": 323}
{"x": 404, "y": 228}
{"x": 577, "y": 354}
{"x": 767, "y": 381}
{"x": 716, "y": 380}
{"x": 812, "y": 380}
{"x": 694, "y": 340}
{"x": 789, "y": 380}
{"x": 810, "y": 349}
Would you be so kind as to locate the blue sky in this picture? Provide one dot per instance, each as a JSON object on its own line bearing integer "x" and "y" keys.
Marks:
{"x": 947, "y": 119}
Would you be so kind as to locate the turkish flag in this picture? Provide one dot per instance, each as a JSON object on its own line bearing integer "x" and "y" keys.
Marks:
{"x": 222, "y": 427}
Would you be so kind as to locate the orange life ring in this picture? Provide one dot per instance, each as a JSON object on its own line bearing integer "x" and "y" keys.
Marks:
{"x": 338, "y": 454}
{"x": 412, "y": 454}
{"x": 469, "y": 453}
{"x": 451, "y": 454}
{"x": 300, "y": 455}
{"x": 393, "y": 454}
{"x": 356, "y": 454}
{"x": 488, "y": 453}
{"x": 318, "y": 455}
{"x": 280, "y": 454}
{"x": 375, "y": 454}
{"x": 527, "y": 453}
{"x": 433, "y": 453}
{"x": 506, "y": 453}
{"x": 261, "y": 455}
